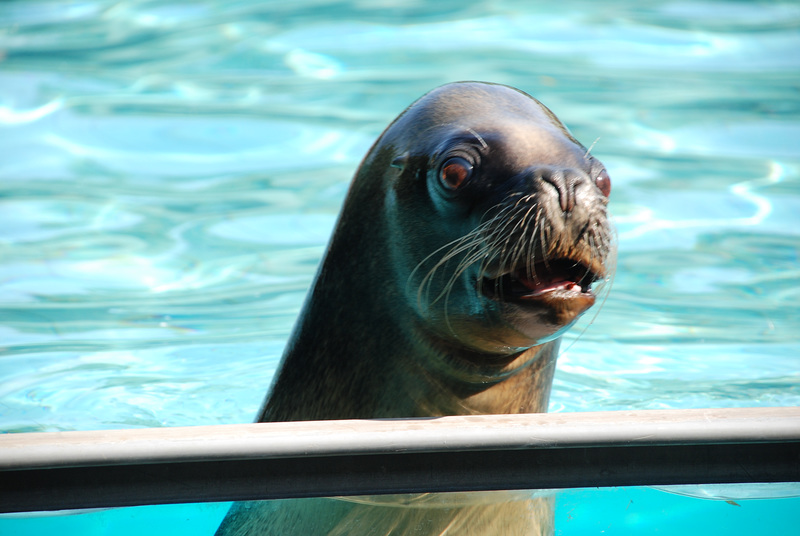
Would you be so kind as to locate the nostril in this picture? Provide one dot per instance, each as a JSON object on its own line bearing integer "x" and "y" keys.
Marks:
{"x": 566, "y": 182}
{"x": 564, "y": 187}
{"x": 569, "y": 184}
{"x": 603, "y": 181}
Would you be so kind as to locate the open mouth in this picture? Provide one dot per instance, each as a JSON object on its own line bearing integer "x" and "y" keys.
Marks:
{"x": 565, "y": 276}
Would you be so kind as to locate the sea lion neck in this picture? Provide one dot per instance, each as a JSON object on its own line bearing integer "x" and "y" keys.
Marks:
{"x": 469, "y": 382}
{"x": 342, "y": 356}
{"x": 352, "y": 367}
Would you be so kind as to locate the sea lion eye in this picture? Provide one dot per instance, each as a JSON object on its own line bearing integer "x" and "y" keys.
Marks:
{"x": 455, "y": 172}
{"x": 603, "y": 181}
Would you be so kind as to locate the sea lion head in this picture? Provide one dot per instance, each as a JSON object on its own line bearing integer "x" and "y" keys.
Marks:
{"x": 497, "y": 217}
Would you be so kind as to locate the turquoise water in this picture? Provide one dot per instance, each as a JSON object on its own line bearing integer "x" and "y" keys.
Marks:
{"x": 170, "y": 173}
{"x": 612, "y": 512}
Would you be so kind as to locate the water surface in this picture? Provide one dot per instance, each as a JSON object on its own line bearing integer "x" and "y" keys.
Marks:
{"x": 170, "y": 173}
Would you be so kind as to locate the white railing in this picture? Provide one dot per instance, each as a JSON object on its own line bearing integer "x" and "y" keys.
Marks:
{"x": 65, "y": 470}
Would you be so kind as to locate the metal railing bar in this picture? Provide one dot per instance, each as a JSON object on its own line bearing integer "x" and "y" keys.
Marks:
{"x": 64, "y": 470}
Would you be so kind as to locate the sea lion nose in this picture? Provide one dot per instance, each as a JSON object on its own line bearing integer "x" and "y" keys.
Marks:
{"x": 565, "y": 181}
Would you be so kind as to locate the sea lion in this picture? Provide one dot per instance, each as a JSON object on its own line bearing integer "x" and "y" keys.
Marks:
{"x": 469, "y": 242}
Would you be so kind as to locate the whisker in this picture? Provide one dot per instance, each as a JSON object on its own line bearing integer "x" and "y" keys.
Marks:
{"x": 478, "y": 136}
{"x": 589, "y": 150}
{"x": 512, "y": 236}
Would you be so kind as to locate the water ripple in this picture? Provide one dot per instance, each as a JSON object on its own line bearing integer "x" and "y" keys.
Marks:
{"x": 170, "y": 173}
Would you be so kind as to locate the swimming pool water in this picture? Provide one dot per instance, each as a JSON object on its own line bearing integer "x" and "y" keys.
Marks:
{"x": 170, "y": 173}
{"x": 579, "y": 512}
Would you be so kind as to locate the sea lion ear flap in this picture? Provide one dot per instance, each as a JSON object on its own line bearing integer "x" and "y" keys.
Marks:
{"x": 400, "y": 162}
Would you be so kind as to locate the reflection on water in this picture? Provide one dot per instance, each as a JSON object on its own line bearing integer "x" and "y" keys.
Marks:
{"x": 170, "y": 173}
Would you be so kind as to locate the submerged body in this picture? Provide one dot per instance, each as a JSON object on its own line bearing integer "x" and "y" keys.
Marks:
{"x": 468, "y": 243}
